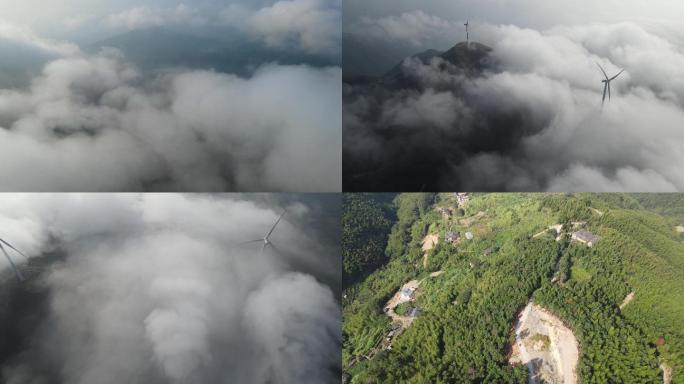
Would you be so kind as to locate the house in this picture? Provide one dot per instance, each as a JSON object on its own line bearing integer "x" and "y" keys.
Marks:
{"x": 406, "y": 293}
{"x": 585, "y": 237}
{"x": 445, "y": 212}
{"x": 452, "y": 237}
{"x": 469, "y": 235}
{"x": 488, "y": 251}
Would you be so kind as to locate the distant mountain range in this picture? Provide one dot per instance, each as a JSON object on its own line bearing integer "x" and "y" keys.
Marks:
{"x": 157, "y": 48}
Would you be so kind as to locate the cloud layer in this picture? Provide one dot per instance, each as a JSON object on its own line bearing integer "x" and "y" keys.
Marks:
{"x": 311, "y": 26}
{"x": 532, "y": 122}
{"x": 93, "y": 123}
{"x": 153, "y": 289}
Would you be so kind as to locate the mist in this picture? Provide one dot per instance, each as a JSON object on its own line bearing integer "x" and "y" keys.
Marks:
{"x": 153, "y": 288}
{"x": 533, "y": 120}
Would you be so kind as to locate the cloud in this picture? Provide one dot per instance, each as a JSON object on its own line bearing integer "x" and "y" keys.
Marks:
{"x": 308, "y": 322}
{"x": 311, "y": 25}
{"x": 12, "y": 34}
{"x": 151, "y": 288}
{"x": 532, "y": 121}
{"x": 92, "y": 123}
{"x": 415, "y": 27}
{"x": 147, "y": 17}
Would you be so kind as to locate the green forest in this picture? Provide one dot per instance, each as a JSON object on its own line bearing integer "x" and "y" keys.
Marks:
{"x": 471, "y": 292}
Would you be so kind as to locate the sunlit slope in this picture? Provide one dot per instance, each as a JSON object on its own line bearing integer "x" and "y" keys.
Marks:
{"x": 464, "y": 331}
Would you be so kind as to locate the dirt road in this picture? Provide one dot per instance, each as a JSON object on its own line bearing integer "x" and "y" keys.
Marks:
{"x": 667, "y": 373}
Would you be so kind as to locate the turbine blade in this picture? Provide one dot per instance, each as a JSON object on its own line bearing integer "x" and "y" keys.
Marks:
{"x": 16, "y": 270}
{"x": 274, "y": 225}
{"x": 248, "y": 242}
{"x": 262, "y": 249}
{"x": 604, "y": 72}
{"x": 615, "y": 77}
{"x": 16, "y": 250}
{"x": 609, "y": 90}
{"x": 605, "y": 89}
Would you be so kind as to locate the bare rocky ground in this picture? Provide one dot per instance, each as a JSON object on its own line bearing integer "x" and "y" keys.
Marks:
{"x": 546, "y": 346}
{"x": 398, "y": 299}
{"x": 667, "y": 373}
{"x": 627, "y": 299}
{"x": 429, "y": 242}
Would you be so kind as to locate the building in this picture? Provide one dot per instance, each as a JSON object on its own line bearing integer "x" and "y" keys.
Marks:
{"x": 413, "y": 312}
{"x": 488, "y": 251}
{"x": 407, "y": 293}
{"x": 452, "y": 237}
{"x": 585, "y": 237}
{"x": 469, "y": 235}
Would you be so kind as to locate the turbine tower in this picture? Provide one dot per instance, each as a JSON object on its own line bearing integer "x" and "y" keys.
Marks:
{"x": 16, "y": 270}
{"x": 467, "y": 24}
{"x": 606, "y": 83}
{"x": 266, "y": 240}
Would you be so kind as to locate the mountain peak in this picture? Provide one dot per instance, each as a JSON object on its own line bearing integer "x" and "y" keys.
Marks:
{"x": 470, "y": 59}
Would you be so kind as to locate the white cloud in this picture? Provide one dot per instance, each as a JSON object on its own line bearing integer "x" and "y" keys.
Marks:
{"x": 311, "y": 25}
{"x": 146, "y": 17}
{"x": 26, "y": 37}
{"x": 89, "y": 124}
{"x": 151, "y": 288}
{"x": 415, "y": 27}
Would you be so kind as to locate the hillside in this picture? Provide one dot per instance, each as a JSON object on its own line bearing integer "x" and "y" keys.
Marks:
{"x": 622, "y": 298}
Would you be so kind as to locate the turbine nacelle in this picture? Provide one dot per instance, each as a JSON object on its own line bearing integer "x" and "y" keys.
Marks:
{"x": 266, "y": 240}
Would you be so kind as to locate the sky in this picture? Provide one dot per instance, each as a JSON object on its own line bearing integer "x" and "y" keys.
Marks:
{"x": 535, "y": 14}
{"x": 241, "y": 96}
{"x": 155, "y": 288}
{"x": 534, "y": 119}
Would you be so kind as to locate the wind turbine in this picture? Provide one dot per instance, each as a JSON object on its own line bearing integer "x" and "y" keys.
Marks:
{"x": 16, "y": 270}
{"x": 266, "y": 239}
{"x": 606, "y": 83}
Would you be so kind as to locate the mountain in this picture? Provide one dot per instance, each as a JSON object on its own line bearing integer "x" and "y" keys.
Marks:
{"x": 159, "y": 48}
{"x": 469, "y": 59}
{"x": 621, "y": 298}
{"x": 423, "y": 57}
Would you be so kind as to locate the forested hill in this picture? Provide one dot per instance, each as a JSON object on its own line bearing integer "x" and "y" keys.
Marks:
{"x": 366, "y": 223}
{"x": 467, "y": 309}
